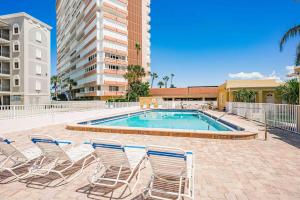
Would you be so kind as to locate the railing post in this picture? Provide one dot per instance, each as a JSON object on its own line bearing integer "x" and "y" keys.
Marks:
{"x": 14, "y": 112}
{"x": 266, "y": 126}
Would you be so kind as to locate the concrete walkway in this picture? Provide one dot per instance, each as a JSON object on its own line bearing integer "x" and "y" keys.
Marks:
{"x": 225, "y": 169}
{"x": 26, "y": 123}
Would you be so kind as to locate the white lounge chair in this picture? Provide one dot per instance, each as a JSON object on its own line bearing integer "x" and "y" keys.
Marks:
{"x": 55, "y": 159}
{"x": 13, "y": 159}
{"x": 117, "y": 165}
{"x": 172, "y": 174}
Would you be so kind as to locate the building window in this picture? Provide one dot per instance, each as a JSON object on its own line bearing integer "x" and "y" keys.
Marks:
{"x": 92, "y": 57}
{"x": 38, "y": 54}
{"x": 38, "y": 36}
{"x": 16, "y": 64}
{"x": 38, "y": 86}
{"x": 16, "y": 81}
{"x": 16, "y": 29}
{"x": 113, "y": 88}
{"x": 16, "y": 46}
{"x": 91, "y": 68}
{"x": 114, "y": 56}
{"x": 91, "y": 89}
{"x": 99, "y": 87}
{"x": 16, "y": 98}
{"x": 38, "y": 70}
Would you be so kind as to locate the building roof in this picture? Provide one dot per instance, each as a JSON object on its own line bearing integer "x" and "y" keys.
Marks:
{"x": 267, "y": 83}
{"x": 23, "y": 14}
{"x": 3, "y": 23}
{"x": 208, "y": 91}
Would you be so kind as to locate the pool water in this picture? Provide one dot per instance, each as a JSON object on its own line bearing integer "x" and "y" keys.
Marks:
{"x": 191, "y": 120}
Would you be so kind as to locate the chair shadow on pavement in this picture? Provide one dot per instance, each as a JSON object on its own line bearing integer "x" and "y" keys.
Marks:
{"x": 101, "y": 193}
{"x": 53, "y": 179}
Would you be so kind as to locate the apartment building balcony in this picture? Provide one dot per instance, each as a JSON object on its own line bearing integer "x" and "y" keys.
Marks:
{"x": 4, "y": 69}
{"x": 4, "y": 36}
{"x": 4, "y": 53}
{"x": 4, "y": 86}
{"x": 87, "y": 94}
{"x": 114, "y": 93}
{"x": 114, "y": 71}
{"x": 115, "y": 83}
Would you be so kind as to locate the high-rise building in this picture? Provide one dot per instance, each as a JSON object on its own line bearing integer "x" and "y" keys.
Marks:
{"x": 24, "y": 60}
{"x": 97, "y": 40}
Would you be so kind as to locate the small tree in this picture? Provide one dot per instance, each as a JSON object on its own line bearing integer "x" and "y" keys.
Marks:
{"x": 136, "y": 87}
{"x": 153, "y": 77}
{"x": 172, "y": 77}
{"x": 289, "y": 91}
{"x": 138, "y": 49}
{"x": 166, "y": 79}
{"x": 55, "y": 82}
{"x": 160, "y": 84}
{"x": 71, "y": 83}
{"x": 244, "y": 95}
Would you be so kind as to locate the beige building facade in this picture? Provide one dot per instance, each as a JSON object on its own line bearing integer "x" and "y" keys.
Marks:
{"x": 97, "y": 40}
{"x": 24, "y": 60}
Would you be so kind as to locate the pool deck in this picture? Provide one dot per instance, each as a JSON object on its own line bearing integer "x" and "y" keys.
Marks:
{"x": 224, "y": 169}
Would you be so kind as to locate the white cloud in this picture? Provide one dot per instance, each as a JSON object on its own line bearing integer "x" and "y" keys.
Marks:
{"x": 246, "y": 75}
{"x": 253, "y": 76}
{"x": 290, "y": 69}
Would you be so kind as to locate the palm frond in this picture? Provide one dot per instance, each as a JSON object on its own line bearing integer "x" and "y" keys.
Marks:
{"x": 297, "y": 62}
{"x": 289, "y": 34}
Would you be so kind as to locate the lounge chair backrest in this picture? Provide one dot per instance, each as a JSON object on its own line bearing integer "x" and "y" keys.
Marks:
{"x": 111, "y": 153}
{"x": 9, "y": 150}
{"x": 167, "y": 162}
{"x": 49, "y": 146}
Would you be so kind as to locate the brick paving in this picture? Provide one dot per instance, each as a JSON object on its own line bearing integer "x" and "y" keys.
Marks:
{"x": 225, "y": 169}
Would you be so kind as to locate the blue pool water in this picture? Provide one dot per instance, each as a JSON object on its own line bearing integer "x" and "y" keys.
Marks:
{"x": 189, "y": 120}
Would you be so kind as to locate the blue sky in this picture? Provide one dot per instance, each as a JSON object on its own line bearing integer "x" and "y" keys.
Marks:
{"x": 204, "y": 41}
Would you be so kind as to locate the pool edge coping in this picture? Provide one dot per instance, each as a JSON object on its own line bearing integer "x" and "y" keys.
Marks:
{"x": 244, "y": 134}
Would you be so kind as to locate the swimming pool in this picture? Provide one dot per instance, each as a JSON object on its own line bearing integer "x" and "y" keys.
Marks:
{"x": 165, "y": 119}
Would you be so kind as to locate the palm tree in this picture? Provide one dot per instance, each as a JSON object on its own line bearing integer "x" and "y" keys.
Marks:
{"x": 166, "y": 79}
{"x": 289, "y": 91}
{"x": 160, "y": 84}
{"x": 71, "y": 83}
{"x": 153, "y": 76}
{"x": 293, "y": 32}
{"x": 138, "y": 49}
{"x": 172, "y": 76}
{"x": 134, "y": 76}
{"x": 244, "y": 95}
{"x": 55, "y": 80}
{"x": 134, "y": 73}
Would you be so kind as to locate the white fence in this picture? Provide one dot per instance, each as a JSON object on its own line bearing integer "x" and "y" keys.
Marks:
{"x": 16, "y": 111}
{"x": 283, "y": 116}
{"x": 187, "y": 104}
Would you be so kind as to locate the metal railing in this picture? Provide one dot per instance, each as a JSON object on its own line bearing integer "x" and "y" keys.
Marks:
{"x": 283, "y": 116}
{"x": 17, "y": 111}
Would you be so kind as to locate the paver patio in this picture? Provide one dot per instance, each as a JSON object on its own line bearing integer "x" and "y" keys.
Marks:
{"x": 225, "y": 169}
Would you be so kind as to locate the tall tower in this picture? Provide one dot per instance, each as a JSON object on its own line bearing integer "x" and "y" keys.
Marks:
{"x": 96, "y": 41}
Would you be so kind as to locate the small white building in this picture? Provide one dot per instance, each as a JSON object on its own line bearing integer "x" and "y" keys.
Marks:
{"x": 24, "y": 60}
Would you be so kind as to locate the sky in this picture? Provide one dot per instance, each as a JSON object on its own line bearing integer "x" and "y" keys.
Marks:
{"x": 205, "y": 42}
